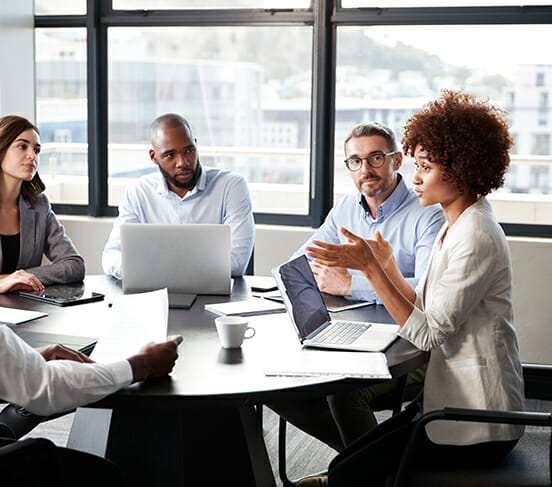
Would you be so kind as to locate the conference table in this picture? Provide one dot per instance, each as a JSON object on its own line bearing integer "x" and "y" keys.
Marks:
{"x": 201, "y": 424}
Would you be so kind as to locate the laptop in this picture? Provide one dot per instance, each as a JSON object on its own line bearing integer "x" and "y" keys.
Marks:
{"x": 184, "y": 258}
{"x": 312, "y": 321}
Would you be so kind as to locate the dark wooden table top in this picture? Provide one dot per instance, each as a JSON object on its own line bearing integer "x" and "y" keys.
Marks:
{"x": 205, "y": 371}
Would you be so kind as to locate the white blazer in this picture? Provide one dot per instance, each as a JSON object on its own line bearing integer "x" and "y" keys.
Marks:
{"x": 463, "y": 314}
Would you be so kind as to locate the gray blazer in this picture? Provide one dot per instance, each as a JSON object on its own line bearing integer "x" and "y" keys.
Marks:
{"x": 42, "y": 234}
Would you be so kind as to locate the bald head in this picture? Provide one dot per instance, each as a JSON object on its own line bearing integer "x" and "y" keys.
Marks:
{"x": 169, "y": 121}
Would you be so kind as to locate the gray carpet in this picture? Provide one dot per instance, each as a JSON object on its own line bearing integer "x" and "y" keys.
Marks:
{"x": 305, "y": 455}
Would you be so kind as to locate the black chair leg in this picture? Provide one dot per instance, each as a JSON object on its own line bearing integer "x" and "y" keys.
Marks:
{"x": 286, "y": 482}
{"x": 398, "y": 400}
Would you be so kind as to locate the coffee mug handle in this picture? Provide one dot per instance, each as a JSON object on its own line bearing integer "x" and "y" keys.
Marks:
{"x": 252, "y": 334}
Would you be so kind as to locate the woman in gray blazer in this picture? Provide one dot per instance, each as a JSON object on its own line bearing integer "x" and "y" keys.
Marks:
{"x": 28, "y": 227}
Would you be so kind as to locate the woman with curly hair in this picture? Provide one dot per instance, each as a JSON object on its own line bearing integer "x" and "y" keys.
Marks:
{"x": 28, "y": 227}
{"x": 461, "y": 310}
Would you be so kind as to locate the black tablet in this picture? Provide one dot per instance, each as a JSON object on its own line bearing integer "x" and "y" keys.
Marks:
{"x": 181, "y": 301}
{"x": 64, "y": 295}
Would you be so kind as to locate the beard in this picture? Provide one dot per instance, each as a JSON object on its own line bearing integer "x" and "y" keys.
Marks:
{"x": 180, "y": 185}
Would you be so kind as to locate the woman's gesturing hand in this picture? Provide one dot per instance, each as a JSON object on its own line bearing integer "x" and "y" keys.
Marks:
{"x": 357, "y": 254}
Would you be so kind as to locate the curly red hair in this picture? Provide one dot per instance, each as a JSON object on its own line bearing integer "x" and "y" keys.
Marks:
{"x": 467, "y": 137}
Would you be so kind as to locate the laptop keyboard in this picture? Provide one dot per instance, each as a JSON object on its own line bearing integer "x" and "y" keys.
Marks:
{"x": 341, "y": 332}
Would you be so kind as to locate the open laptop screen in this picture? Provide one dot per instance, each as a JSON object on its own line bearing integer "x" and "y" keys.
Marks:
{"x": 308, "y": 308}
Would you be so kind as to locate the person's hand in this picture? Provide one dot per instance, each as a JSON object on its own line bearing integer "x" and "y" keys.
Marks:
{"x": 61, "y": 352}
{"x": 20, "y": 281}
{"x": 357, "y": 254}
{"x": 382, "y": 250}
{"x": 155, "y": 359}
{"x": 332, "y": 280}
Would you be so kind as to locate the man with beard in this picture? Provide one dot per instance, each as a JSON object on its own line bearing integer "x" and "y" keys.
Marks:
{"x": 184, "y": 191}
{"x": 382, "y": 204}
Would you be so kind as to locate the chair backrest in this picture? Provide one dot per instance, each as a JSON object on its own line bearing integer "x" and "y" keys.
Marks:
{"x": 30, "y": 462}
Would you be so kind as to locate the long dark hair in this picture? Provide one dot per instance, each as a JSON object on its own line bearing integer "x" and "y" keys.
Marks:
{"x": 11, "y": 126}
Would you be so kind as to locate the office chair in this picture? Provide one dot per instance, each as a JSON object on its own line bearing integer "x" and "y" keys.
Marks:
{"x": 528, "y": 464}
{"x": 37, "y": 462}
{"x": 403, "y": 392}
{"x": 29, "y": 462}
{"x": 250, "y": 270}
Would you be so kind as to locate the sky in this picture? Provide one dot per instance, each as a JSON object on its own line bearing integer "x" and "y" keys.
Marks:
{"x": 499, "y": 48}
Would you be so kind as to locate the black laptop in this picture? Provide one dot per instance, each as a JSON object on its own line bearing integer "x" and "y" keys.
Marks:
{"x": 312, "y": 321}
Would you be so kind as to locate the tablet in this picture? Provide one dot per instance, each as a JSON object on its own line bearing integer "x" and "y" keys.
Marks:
{"x": 181, "y": 301}
{"x": 64, "y": 295}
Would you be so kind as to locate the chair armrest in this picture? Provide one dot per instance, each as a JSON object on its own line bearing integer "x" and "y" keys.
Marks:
{"x": 493, "y": 416}
{"x": 472, "y": 415}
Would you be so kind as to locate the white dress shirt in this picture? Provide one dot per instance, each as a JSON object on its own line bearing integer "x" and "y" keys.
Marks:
{"x": 463, "y": 315}
{"x": 55, "y": 386}
{"x": 218, "y": 197}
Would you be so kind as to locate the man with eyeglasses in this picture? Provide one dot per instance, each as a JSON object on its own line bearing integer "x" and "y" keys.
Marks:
{"x": 184, "y": 191}
{"x": 383, "y": 203}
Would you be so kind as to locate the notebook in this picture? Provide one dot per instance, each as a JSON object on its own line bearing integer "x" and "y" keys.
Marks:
{"x": 312, "y": 321}
{"x": 185, "y": 258}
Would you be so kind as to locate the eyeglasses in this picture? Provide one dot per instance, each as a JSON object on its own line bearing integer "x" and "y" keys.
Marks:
{"x": 375, "y": 160}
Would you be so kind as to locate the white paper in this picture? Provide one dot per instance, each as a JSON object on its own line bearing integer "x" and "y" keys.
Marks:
{"x": 134, "y": 320}
{"x": 313, "y": 363}
{"x": 10, "y": 316}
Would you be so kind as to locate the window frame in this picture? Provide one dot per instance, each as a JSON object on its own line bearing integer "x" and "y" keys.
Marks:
{"x": 324, "y": 16}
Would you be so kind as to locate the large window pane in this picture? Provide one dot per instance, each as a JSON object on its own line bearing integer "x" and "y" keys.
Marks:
{"x": 60, "y": 7}
{"x": 207, "y": 4}
{"x": 387, "y": 73}
{"x": 62, "y": 113}
{"x": 245, "y": 90}
{"x": 439, "y": 3}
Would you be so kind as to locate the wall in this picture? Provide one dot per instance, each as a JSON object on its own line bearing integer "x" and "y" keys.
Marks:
{"x": 17, "y": 87}
{"x": 531, "y": 259}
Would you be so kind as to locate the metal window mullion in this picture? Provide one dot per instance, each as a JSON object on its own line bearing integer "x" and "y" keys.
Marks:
{"x": 444, "y": 16}
{"x": 97, "y": 108}
{"x": 322, "y": 113}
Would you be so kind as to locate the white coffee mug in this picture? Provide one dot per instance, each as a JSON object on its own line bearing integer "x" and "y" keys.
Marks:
{"x": 232, "y": 330}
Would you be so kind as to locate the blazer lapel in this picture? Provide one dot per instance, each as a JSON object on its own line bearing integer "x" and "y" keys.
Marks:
{"x": 27, "y": 228}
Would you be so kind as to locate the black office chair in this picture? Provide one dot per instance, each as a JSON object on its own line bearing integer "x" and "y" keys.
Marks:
{"x": 250, "y": 270}
{"x": 403, "y": 392}
{"x": 39, "y": 462}
{"x": 528, "y": 464}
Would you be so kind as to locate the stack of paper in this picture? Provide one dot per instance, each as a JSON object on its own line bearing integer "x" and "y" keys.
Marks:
{"x": 313, "y": 363}
{"x": 254, "y": 306}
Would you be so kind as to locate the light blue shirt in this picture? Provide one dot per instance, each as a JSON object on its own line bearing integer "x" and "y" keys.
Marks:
{"x": 409, "y": 228}
{"x": 218, "y": 197}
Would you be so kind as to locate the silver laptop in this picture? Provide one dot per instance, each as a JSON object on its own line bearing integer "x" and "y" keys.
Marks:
{"x": 185, "y": 258}
{"x": 312, "y": 321}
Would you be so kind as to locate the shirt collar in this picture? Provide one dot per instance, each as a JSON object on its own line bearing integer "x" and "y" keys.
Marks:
{"x": 394, "y": 200}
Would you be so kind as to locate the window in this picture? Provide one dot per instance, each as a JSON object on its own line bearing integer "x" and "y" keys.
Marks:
{"x": 246, "y": 92}
{"x": 437, "y": 3}
{"x": 208, "y": 4}
{"x": 60, "y": 7}
{"x": 272, "y": 87}
{"x": 393, "y": 70}
{"x": 61, "y": 108}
